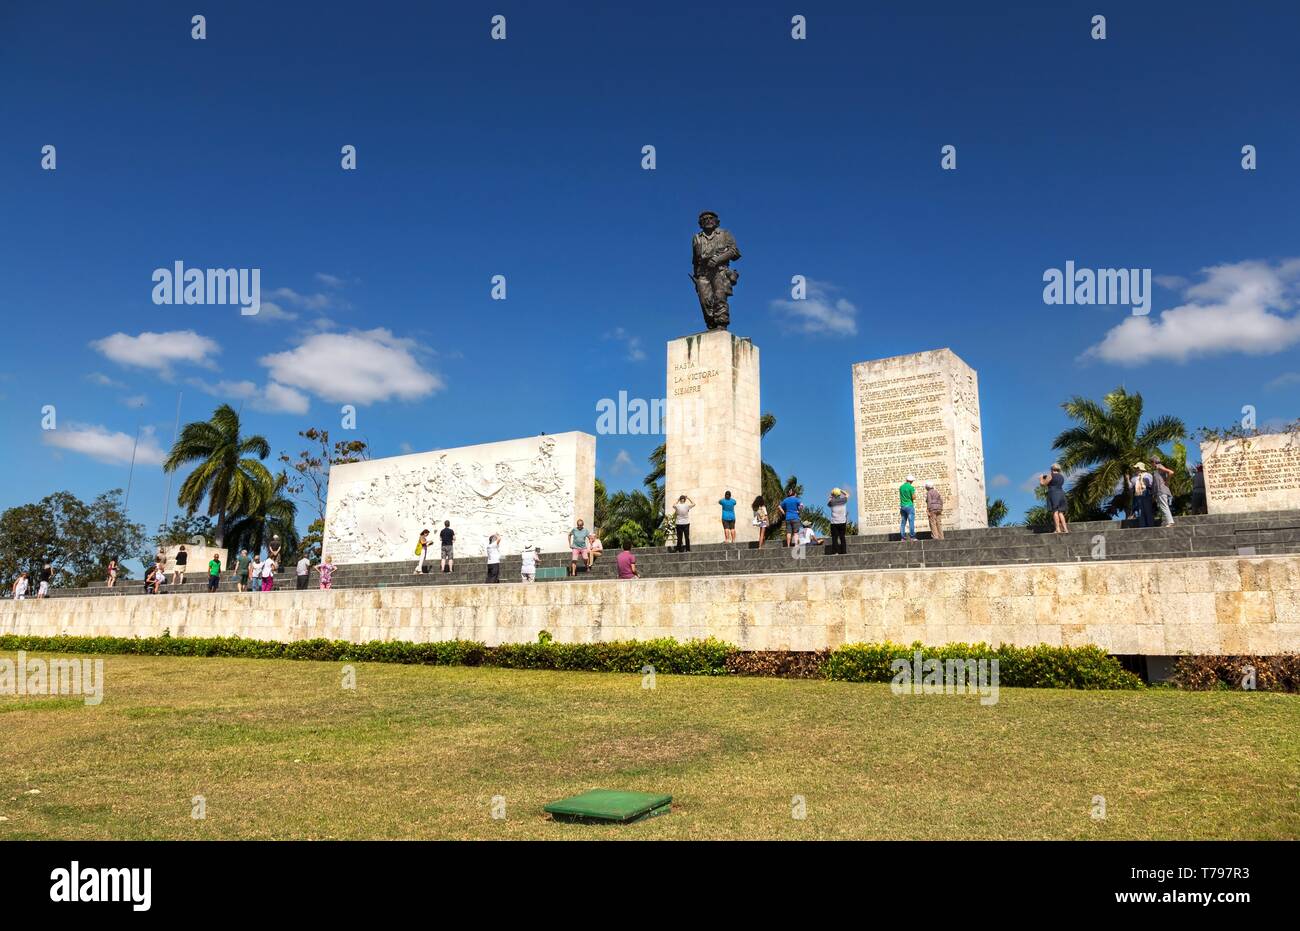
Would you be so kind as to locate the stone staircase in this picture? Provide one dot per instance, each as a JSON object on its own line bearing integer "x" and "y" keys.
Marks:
{"x": 1260, "y": 534}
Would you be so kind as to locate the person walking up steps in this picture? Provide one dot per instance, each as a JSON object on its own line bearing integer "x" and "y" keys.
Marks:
{"x": 682, "y": 523}
{"x": 728, "y": 505}
{"x": 182, "y": 557}
{"x": 214, "y": 573}
{"x": 241, "y": 571}
{"x": 759, "y": 507}
{"x": 907, "y": 510}
{"x": 838, "y": 502}
{"x": 303, "y": 573}
{"x": 578, "y": 547}
{"x": 421, "y": 550}
{"x": 528, "y": 563}
{"x": 448, "y": 537}
{"x": 494, "y": 558}
{"x": 790, "y": 509}
{"x": 934, "y": 510}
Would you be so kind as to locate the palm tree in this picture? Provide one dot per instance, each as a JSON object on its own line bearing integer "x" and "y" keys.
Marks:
{"x": 1104, "y": 444}
{"x": 227, "y": 474}
{"x": 997, "y": 511}
{"x": 275, "y": 515}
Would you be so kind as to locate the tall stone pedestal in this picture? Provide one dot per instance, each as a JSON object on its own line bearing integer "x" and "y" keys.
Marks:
{"x": 712, "y": 430}
{"x": 918, "y": 414}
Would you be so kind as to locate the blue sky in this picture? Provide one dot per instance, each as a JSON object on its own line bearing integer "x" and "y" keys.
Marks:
{"x": 523, "y": 158}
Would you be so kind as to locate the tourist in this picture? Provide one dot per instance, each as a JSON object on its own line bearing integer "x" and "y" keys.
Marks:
{"x": 728, "y": 504}
{"x": 682, "y": 523}
{"x": 448, "y": 537}
{"x": 594, "y": 546}
{"x": 112, "y": 572}
{"x": 1054, "y": 482}
{"x": 528, "y": 560}
{"x": 214, "y": 573}
{"x": 807, "y": 537}
{"x": 268, "y": 574}
{"x": 241, "y": 571}
{"x": 1198, "y": 490}
{"x": 627, "y": 562}
{"x": 148, "y": 581}
{"x": 273, "y": 550}
{"x": 494, "y": 558}
{"x": 1164, "y": 498}
{"x": 907, "y": 510}
{"x": 326, "y": 570}
{"x": 44, "y": 580}
{"x": 159, "y": 576}
{"x": 790, "y": 508}
{"x": 838, "y": 502}
{"x": 255, "y": 574}
{"x": 421, "y": 550}
{"x": 934, "y": 510}
{"x": 1142, "y": 495}
{"x": 20, "y": 587}
{"x": 303, "y": 573}
{"x": 578, "y": 547}
{"x": 182, "y": 557}
{"x": 759, "y": 507}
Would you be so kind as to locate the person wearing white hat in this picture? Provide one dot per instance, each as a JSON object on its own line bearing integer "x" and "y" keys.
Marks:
{"x": 907, "y": 510}
{"x": 1142, "y": 499}
{"x": 838, "y": 503}
{"x": 528, "y": 563}
{"x": 934, "y": 510}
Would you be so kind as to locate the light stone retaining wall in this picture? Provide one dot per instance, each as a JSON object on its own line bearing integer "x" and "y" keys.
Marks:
{"x": 1153, "y": 607}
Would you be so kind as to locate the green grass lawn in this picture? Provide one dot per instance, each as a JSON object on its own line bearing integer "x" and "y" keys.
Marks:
{"x": 280, "y": 750}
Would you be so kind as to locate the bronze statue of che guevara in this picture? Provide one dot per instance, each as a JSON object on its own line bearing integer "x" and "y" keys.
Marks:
{"x": 712, "y": 251}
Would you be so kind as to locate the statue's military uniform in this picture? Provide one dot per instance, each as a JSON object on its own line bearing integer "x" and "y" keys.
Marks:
{"x": 710, "y": 253}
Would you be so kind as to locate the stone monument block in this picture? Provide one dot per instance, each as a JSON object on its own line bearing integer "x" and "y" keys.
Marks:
{"x": 530, "y": 491}
{"x": 918, "y": 414}
{"x": 1257, "y": 473}
{"x": 712, "y": 440}
{"x": 197, "y": 556}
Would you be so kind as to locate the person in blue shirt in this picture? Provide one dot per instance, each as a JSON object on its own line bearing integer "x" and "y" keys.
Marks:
{"x": 728, "y": 518}
{"x": 790, "y": 508}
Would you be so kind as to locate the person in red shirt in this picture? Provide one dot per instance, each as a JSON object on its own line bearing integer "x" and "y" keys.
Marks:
{"x": 627, "y": 562}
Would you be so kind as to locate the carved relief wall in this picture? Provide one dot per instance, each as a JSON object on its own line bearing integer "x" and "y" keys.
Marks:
{"x": 529, "y": 490}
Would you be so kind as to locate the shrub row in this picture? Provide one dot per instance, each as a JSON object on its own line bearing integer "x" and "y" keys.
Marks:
{"x": 1086, "y": 667}
{"x": 1279, "y": 673}
{"x": 1038, "y": 667}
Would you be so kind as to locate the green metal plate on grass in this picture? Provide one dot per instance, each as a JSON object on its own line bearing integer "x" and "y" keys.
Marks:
{"x": 606, "y": 806}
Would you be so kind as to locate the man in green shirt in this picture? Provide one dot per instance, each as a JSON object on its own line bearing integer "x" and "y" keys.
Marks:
{"x": 907, "y": 510}
{"x": 214, "y": 573}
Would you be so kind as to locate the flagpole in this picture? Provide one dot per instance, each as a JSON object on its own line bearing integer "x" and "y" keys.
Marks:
{"x": 131, "y": 474}
{"x": 176, "y": 430}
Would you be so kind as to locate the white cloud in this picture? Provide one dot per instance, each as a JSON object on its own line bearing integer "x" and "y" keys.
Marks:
{"x": 1171, "y": 282}
{"x": 99, "y": 378}
{"x": 999, "y": 481}
{"x": 1242, "y": 307}
{"x": 633, "y": 343}
{"x": 332, "y": 281}
{"x": 103, "y": 446}
{"x": 621, "y": 461}
{"x": 158, "y": 351}
{"x": 271, "y": 312}
{"x": 820, "y": 312}
{"x": 136, "y": 401}
{"x": 274, "y": 398}
{"x": 309, "y": 301}
{"x": 360, "y": 367}
{"x": 1286, "y": 378}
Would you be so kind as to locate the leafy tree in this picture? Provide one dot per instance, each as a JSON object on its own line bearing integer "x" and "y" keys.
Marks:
{"x": 309, "y": 482}
{"x": 274, "y": 515}
{"x": 185, "y": 528}
{"x": 229, "y": 473}
{"x": 997, "y": 511}
{"x": 1102, "y": 446}
{"x": 75, "y": 538}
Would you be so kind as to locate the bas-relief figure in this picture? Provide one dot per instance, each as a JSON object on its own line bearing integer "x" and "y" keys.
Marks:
{"x": 527, "y": 500}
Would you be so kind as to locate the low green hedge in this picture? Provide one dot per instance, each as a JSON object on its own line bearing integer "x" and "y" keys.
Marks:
{"x": 1038, "y": 667}
{"x": 1027, "y": 667}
